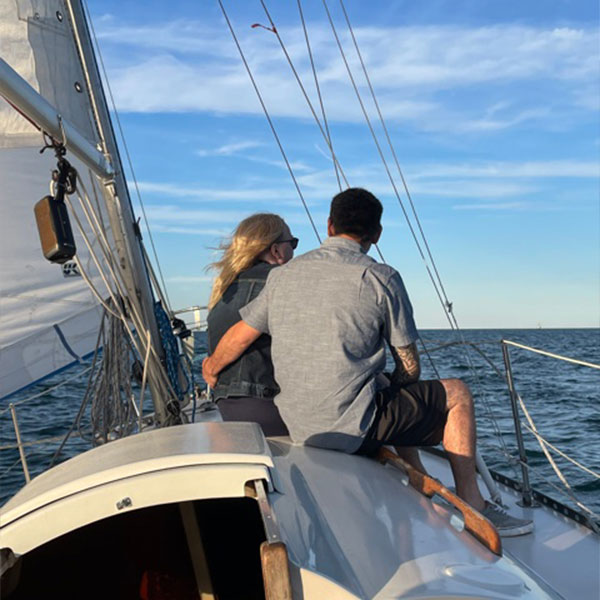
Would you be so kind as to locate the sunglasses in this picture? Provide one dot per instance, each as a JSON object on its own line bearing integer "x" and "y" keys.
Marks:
{"x": 293, "y": 242}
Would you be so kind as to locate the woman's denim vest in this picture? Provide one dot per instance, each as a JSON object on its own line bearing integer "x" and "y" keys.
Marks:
{"x": 252, "y": 373}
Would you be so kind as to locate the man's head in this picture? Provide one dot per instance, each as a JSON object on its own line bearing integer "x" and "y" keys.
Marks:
{"x": 355, "y": 213}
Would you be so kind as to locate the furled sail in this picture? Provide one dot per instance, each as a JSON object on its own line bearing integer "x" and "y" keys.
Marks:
{"x": 49, "y": 318}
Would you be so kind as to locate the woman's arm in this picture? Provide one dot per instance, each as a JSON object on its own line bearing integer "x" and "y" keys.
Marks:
{"x": 231, "y": 346}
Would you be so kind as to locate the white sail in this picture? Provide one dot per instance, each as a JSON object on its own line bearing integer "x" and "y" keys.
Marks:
{"x": 48, "y": 316}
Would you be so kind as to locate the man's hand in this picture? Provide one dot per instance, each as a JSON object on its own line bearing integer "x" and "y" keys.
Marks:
{"x": 408, "y": 366}
{"x": 207, "y": 373}
{"x": 232, "y": 345}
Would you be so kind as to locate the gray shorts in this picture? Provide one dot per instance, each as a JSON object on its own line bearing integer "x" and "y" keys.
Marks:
{"x": 412, "y": 415}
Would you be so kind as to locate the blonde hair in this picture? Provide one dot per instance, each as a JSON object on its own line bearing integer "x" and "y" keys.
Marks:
{"x": 251, "y": 237}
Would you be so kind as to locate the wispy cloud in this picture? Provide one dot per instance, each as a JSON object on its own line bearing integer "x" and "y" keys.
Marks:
{"x": 494, "y": 206}
{"x": 201, "y": 231}
{"x": 532, "y": 169}
{"x": 189, "y": 66}
{"x": 229, "y": 149}
{"x": 254, "y": 196}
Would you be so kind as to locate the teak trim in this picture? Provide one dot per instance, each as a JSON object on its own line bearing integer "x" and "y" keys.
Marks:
{"x": 475, "y": 523}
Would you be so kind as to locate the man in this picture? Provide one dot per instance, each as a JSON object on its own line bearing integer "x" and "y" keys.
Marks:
{"x": 330, "y": 314}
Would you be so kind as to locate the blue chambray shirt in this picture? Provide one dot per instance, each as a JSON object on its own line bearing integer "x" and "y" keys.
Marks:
{"x": 330, "y": 313}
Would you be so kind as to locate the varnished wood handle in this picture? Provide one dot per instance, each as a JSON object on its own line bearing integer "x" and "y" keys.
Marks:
{"x": 475, "y": 523}
{"x": 276, "y": 571}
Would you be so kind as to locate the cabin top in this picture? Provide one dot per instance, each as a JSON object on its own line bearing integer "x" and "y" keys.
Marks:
{"x": 151, "y": 452}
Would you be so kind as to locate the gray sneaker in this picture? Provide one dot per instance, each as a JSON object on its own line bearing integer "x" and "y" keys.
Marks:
{"x": 506, "y": 525}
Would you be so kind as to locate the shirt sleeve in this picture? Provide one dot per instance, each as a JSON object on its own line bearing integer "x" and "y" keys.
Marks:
{"x": 399, "y": 325}
{"x": 256, "y": 312}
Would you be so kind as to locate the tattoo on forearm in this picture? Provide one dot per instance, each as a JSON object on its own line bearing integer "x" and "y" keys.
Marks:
{"x": 408, "y": 366}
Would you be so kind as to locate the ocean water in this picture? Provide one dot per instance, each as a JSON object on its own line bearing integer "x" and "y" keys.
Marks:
{"x": 563, "y": 400}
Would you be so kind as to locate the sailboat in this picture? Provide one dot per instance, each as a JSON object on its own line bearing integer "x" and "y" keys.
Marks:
{"x": 164, "y": 507}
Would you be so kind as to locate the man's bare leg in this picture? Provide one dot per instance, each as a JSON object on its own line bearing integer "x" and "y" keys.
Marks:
{"x": 411, "y": 456}
{"x": 459, "y": 441}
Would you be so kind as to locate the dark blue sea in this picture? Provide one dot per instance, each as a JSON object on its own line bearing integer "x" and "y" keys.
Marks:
{"x": 563, "y": 400}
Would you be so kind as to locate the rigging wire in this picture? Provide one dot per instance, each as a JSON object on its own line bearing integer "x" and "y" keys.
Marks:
{"x": 271, "y": 125}
{"x": 158, "y": 377}
{"x": 324, "y": 132}
{"x": 441, "y": 292}
{"x": 325, "y": 135}
{"x": 318, "y": 88}
{"x": 126, "y": 148}
{"x": 391, "y": 146}
{"x": 383, "y": 159}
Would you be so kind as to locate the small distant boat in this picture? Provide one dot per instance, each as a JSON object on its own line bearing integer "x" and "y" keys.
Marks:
{"x": 204, "y": 509}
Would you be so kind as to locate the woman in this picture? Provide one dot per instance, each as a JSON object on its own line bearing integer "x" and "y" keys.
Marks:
{"x": 246, "y": 388}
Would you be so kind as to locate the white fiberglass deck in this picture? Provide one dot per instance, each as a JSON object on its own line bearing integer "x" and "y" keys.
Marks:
{"x": 358, "y": 523}
{"x": 347, "y": 518}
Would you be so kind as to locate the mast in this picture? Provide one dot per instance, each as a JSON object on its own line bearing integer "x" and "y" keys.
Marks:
{"x": 124, "y": 227}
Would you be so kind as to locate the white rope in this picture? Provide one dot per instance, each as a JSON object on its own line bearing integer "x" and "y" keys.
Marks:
{"x": 558, "y": 451}
{"x": 552, "y": 355}
{"x": 162, "y": 380}
{"x": 553, "y": 464}
{"x": 92, "y": 254}
{"x": 514, "y": 460}
{"x": 103, "y": 242}
{"x": 395, "y": 157}
{"x": 144, "y": 375}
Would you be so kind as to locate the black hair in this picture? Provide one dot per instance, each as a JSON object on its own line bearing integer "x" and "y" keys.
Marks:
{"x": 357, "y": 212}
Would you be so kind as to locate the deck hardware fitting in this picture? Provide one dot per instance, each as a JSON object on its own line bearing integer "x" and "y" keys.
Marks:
{"x": 124, "y": 503}
{"x": 266, "y": 512}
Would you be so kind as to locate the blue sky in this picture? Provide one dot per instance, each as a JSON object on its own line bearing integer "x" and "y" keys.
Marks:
{"x": 492, "y": 108}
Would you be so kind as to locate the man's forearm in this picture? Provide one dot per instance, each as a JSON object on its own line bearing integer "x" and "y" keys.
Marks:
{"x": 232, "y": 345}
{"x": 408, "y": 365}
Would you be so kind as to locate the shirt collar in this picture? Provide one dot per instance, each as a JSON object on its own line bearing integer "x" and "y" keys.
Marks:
{"x": 343, "y": 243}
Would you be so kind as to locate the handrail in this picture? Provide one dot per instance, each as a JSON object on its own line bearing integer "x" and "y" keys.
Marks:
{"x": 475, "y": 523}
